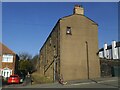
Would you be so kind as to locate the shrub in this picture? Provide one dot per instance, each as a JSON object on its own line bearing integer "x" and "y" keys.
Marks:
{"x": 40, "y": 79}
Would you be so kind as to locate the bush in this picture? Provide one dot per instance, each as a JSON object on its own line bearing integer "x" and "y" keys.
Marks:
{"x": 40, "y": 79}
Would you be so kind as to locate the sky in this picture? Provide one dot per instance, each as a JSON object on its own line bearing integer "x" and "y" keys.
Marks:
{"x": 26, "y": 25}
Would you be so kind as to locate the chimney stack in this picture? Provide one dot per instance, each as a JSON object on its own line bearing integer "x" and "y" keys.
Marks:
{"x": 78, "y": 10}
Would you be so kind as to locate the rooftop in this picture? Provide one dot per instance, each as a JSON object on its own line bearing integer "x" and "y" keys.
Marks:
{"x": 5, "y": 50}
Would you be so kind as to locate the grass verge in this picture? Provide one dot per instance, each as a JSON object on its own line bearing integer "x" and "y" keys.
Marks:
{"x": 40, "y": 79}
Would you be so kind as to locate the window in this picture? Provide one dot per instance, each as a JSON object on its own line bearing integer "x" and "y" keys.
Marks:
{"x": 68, "y": 31}
{"x": 50, "y": 41}
{"x": 7, "y": 74}
{"x": 0, "y": 72}
{"x": 7, "y": 58}
{"x": 4, "y": 74}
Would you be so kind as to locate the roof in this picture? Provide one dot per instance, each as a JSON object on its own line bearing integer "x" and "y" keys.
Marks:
{"x": 110, "y": 46}
{"x": 5, "y": 50}
{"x": 102, "y": 49}
{"x": 50, "y": 33}
{"x": 80, "y": 15}
{"x": 118, "y": 44}
{"x": 59, "y": 21}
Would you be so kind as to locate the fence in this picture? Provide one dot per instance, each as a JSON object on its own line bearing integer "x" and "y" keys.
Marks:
{"x": 109, "y": 67}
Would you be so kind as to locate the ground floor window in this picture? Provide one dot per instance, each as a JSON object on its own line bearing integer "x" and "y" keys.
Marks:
{"x": 6, "y": 72}
{"x": 0, "y": 72}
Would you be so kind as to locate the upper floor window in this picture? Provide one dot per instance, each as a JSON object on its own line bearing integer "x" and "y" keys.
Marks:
{"x": 68, "y": 30}
{"x": 7, "y": 58}
{"x": 50, "y": 41}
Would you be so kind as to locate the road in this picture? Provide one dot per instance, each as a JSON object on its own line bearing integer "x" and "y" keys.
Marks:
{"x": 0, "y": 82}
{"x": 104, "y": 83}
{"x": 25, "y": 83}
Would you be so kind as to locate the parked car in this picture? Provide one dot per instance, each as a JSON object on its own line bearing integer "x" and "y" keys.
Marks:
{"x": 13, "y": 79}
{"x": 22, "y": 77}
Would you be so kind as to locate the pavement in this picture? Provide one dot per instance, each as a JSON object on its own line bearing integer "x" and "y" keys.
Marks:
{"x": 96, "y": 80}
{"x": 0, "y": 82}
{"x": 107, "y": 82}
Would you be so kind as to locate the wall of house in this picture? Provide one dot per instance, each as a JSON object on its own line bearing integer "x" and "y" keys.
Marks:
{"x": 0, "y": 61}
{"x": 0, "y": 65}
{"x": 119, "y": 52}
{"x": 49, "y": 61}
{"x": 114, "y": 50}
{"x": 110, "y": 53}
{"x": 73, "y": 48}
{"x": 8, "y": 61}
{"x": 10, "y": 65}
{"x": 101, "y": 54}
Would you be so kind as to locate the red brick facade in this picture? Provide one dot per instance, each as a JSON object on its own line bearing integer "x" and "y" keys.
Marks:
{"x": 11, "y": 66}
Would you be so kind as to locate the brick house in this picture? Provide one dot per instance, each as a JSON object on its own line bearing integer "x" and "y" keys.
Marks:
{"x": 70, "y": 49}
{"x": 8, "y": 60}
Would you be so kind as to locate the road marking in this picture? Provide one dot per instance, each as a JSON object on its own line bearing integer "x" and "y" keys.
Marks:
{"x": 82, "y": 83}
{"x": 106, "y": 81}
{"x": 93, "y": 82}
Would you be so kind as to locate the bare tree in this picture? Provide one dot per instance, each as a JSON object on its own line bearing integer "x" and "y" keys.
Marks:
{"x": 25, "y": 56}
{"x": 35, "y": 61}
{"x": 25, "y": 65}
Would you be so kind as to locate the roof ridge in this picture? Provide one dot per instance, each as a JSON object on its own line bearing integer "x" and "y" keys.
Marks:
{"x": 80, "y": 15}
{"x": 5, "y": 49}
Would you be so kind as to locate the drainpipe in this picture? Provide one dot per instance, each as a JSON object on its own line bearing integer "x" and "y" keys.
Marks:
{"x": 87, "y": 59}
{"x": 54, "y": 71}
{"x": 54, "y": 63}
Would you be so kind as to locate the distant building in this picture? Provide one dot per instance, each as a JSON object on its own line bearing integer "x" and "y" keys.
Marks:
{"x": 70, "y": 49}
{"x": 8, "y": 60}
{"x": 110, "y": 51}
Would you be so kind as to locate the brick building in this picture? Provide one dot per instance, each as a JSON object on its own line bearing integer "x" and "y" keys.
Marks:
{"x": 70, "y": 49}
{"x": 8, "y": 60}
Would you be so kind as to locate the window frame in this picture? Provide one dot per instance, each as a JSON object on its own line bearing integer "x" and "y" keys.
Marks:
{"x": 68, "y": 30}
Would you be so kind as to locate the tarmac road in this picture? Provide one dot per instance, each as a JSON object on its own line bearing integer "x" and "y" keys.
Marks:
{"x": 25, "y": 83}
{"x": 97, "y": 83}
{"x": 0, "y": 83}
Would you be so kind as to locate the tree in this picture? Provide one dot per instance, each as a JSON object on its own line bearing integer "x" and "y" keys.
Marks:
{"x": 25, "y": 65}
{"x": 35, "y": 62}
{"x": 25, "y": 56}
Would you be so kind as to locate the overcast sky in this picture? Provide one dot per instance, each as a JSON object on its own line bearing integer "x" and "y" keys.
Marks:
{"x": 25, "y": 26}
